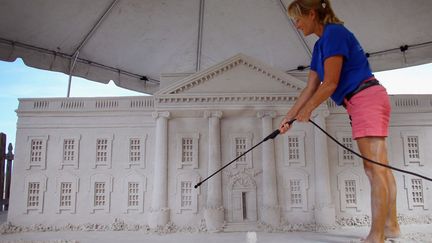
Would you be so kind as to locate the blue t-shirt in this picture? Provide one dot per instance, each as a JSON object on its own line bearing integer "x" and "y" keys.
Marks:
{"x": 338, "y": 40}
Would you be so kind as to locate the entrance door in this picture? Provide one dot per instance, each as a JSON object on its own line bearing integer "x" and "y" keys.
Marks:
{"x": 244, "y": 206}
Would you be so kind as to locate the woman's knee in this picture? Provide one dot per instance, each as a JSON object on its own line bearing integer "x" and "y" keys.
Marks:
{"x": 373, "y": 171}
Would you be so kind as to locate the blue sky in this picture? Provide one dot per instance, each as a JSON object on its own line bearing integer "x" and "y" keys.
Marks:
{"x": 19, "y": 81}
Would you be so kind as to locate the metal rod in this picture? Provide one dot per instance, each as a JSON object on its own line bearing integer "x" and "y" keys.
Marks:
{"x": 94, "y": 28}
{"x": 270, "y": 136}
{"x": 84, "y": 41}
{"x": 79, "y": 60}
{"x": 72, "y": 66}
{"x": 200, "y": 35}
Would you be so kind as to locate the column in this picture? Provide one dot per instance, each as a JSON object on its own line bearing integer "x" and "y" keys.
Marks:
{"x": 325, "y": 214}
{"x": 270, "y": 208}
{"x": 159, "y": 211}
{"x": 214, "y": 212}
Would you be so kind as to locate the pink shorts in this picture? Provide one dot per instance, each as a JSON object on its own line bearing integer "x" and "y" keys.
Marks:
{"x": 370, "y": 112}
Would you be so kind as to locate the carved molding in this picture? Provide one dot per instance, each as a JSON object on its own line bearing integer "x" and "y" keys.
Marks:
{"x": 208, "y": 114}
{"x": 227, "y": 99}
{"x": 163, "y": 114}
{"x": 262, "y": 114}
{"x": 234, "y": 62}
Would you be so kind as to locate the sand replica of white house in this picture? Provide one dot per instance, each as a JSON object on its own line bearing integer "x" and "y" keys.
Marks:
{"x": 95, "y": 160}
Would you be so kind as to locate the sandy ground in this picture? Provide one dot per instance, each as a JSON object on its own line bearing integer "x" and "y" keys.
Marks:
{"x": 411, "y": 233}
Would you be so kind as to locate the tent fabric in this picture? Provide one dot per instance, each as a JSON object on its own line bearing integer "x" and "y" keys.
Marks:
{"x": 137, "y": 41}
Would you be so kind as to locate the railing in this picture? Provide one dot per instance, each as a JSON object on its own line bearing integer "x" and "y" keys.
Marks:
{"x": 87, "y": 104}
{"x": 5, "y": 172}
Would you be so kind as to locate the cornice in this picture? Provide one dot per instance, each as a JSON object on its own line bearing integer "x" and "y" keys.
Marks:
{"x": 226, "y": 99}
{"x": 240, "y": 59}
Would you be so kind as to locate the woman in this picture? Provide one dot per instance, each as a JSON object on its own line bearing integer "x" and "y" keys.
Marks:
{"x": 340, "y": 69}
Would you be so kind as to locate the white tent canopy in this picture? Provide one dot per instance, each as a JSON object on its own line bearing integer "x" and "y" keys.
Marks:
{"x": 133, "y": 42}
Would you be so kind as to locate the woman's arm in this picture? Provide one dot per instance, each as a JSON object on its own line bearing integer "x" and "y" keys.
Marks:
{"x": 332, "y": 70}
{"x": 311, "y": 86}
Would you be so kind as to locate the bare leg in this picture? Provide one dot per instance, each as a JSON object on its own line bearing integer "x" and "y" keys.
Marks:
{"x": 392, "y": 229}
{"x": 383, "y": 190}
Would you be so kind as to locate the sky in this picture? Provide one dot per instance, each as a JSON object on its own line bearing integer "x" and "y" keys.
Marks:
{"x": 19, "y": 81}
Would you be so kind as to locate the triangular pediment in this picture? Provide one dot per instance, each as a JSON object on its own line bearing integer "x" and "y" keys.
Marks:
{"x": 239, "y": 74}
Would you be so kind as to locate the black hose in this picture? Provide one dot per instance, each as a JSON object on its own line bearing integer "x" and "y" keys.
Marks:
{"x": 366, "y": 159}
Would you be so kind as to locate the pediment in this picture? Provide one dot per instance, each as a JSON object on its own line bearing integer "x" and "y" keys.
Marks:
{"x": 238, "y": 75}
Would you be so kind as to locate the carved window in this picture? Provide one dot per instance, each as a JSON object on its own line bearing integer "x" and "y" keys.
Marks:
{"x": 345, "y": 156}
{"x": 240, "y": 143}
{"x": 294, "y": 151}
{"x": 413, "y": 148}
{"x": 65, "y": 195}
{"x": 413, "y": 152}
{"x": 416, "y": 193}
{"x": 34, "y": 191}
{"x": 99, "y": 194}
{"x": 100, "y": 188}
{"x": 349, "y": 190}
{"x": 187, "y": 150}
{"x": 70, "y": 150}
{"x": 134, "y": 187}
{"x": 350, "y": 193}
{"x": 240, "y": 148}
{"x": 103, "y": 151}
{"x": 37, "y": 151}
{"x": 136, "y": 151}
{"x": 67, "y": 189}
{"x": 33, "y": 198}
{"x": 187, "y": 147}
{"x": 296, "y": 187}
{"x": 296, "y": 193}
{"x": 133, "y": 194}
{"x": 186, "y": 195}
{"x": 293, "y": 148}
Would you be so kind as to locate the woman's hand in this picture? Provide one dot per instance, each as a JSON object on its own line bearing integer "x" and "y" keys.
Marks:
{"x": 304, "y": 114}
{"x": 285, "y": 126}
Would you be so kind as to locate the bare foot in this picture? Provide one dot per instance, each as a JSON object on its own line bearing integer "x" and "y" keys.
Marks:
{"x": 372, "y": 239}
{"x": 392, "y": 232}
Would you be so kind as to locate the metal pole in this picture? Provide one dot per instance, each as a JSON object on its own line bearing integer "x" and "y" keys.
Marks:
{"x": 200, "y": 35}
{"x": 84, "y": 41}
{"x": 9, "y": 158}
{"x": 2, "y": 167}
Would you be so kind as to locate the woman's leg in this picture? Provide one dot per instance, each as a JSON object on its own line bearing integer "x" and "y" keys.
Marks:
{"x": 383, "y": 189}
{"x": 392, "y": 229}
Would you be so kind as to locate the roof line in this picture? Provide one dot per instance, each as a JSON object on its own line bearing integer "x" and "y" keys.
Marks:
{"x": 80, "y": 60}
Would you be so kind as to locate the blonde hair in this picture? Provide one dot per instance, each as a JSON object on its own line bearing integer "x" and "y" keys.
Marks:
{"x": 323, "y": 9}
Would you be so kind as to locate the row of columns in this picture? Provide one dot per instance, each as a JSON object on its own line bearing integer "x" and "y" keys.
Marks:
{"x": 214, "y": 211}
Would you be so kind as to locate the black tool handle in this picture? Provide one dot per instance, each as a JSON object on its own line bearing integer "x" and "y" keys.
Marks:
{"x": 277, "y": 132}
{"x": 271, "y": 136}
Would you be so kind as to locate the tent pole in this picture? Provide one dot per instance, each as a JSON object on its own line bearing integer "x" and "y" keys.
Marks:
{"x": 83, "y": 42}
{"x": 70, "y": 73}
{"x": 200, "y": 35}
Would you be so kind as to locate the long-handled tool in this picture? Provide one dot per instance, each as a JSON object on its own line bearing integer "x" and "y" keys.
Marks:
{"x": 277, "y": 132}
{"x": 270, "y": 136}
